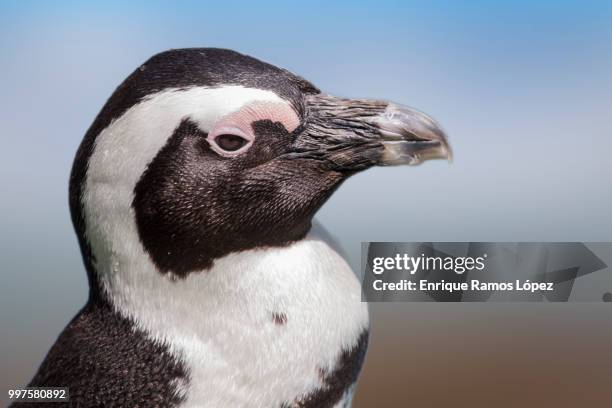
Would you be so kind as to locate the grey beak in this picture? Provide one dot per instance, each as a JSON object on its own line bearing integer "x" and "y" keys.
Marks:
{"x": 354, "y": 134}
{"x": 410, "y": 137}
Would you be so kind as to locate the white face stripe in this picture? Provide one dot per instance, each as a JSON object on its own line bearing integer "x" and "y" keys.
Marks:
{"x": 217, "y": 321}
{"x": 208, "y": 105}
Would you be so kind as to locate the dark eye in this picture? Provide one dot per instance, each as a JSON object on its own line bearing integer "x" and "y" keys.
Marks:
{"x": 230, "y": 143}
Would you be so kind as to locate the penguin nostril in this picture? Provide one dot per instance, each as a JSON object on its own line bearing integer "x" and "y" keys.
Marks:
{"x": 230, "y": 143}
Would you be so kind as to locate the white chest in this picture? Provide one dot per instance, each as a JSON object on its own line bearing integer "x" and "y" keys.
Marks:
{"x": 258, "y": 328}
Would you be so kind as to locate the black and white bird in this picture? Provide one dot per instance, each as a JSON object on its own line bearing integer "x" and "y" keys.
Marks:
{"x": 193, "y": 195}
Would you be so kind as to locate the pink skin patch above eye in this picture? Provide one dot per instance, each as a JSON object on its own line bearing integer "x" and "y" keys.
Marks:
{"x": 239, "y": 123}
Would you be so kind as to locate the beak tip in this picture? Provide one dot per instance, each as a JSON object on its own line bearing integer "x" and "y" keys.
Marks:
{"x": 411, "y": 137}
{"x": 448, "y": 152}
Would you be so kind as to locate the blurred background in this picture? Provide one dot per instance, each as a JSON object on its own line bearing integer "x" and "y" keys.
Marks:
{"x": 523, "y": 88}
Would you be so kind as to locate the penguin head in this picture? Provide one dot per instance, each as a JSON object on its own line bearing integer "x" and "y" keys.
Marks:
{"x": 204, "y": 152}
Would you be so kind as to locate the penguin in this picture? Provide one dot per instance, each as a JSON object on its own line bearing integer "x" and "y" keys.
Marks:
{"x": 193, "y": 195}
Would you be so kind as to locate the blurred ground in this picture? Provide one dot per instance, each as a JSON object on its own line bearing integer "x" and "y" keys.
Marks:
{"x": 485, "y": 355}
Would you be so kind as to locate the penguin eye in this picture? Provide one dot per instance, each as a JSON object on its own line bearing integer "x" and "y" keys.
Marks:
{"x": 230, "y": 143}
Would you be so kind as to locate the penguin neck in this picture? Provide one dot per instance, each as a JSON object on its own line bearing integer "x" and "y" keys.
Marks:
{"x": 132, "y": 284}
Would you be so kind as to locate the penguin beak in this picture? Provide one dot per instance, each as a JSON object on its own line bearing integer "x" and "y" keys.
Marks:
{"x": 409, "y": 136}
{"x": 353, "y": 134}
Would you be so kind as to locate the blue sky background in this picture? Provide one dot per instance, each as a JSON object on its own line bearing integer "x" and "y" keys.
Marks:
{"x": 524, "y": 91}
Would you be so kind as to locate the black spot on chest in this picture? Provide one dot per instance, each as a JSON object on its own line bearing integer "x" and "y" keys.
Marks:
{"x": 280, "y": 319}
